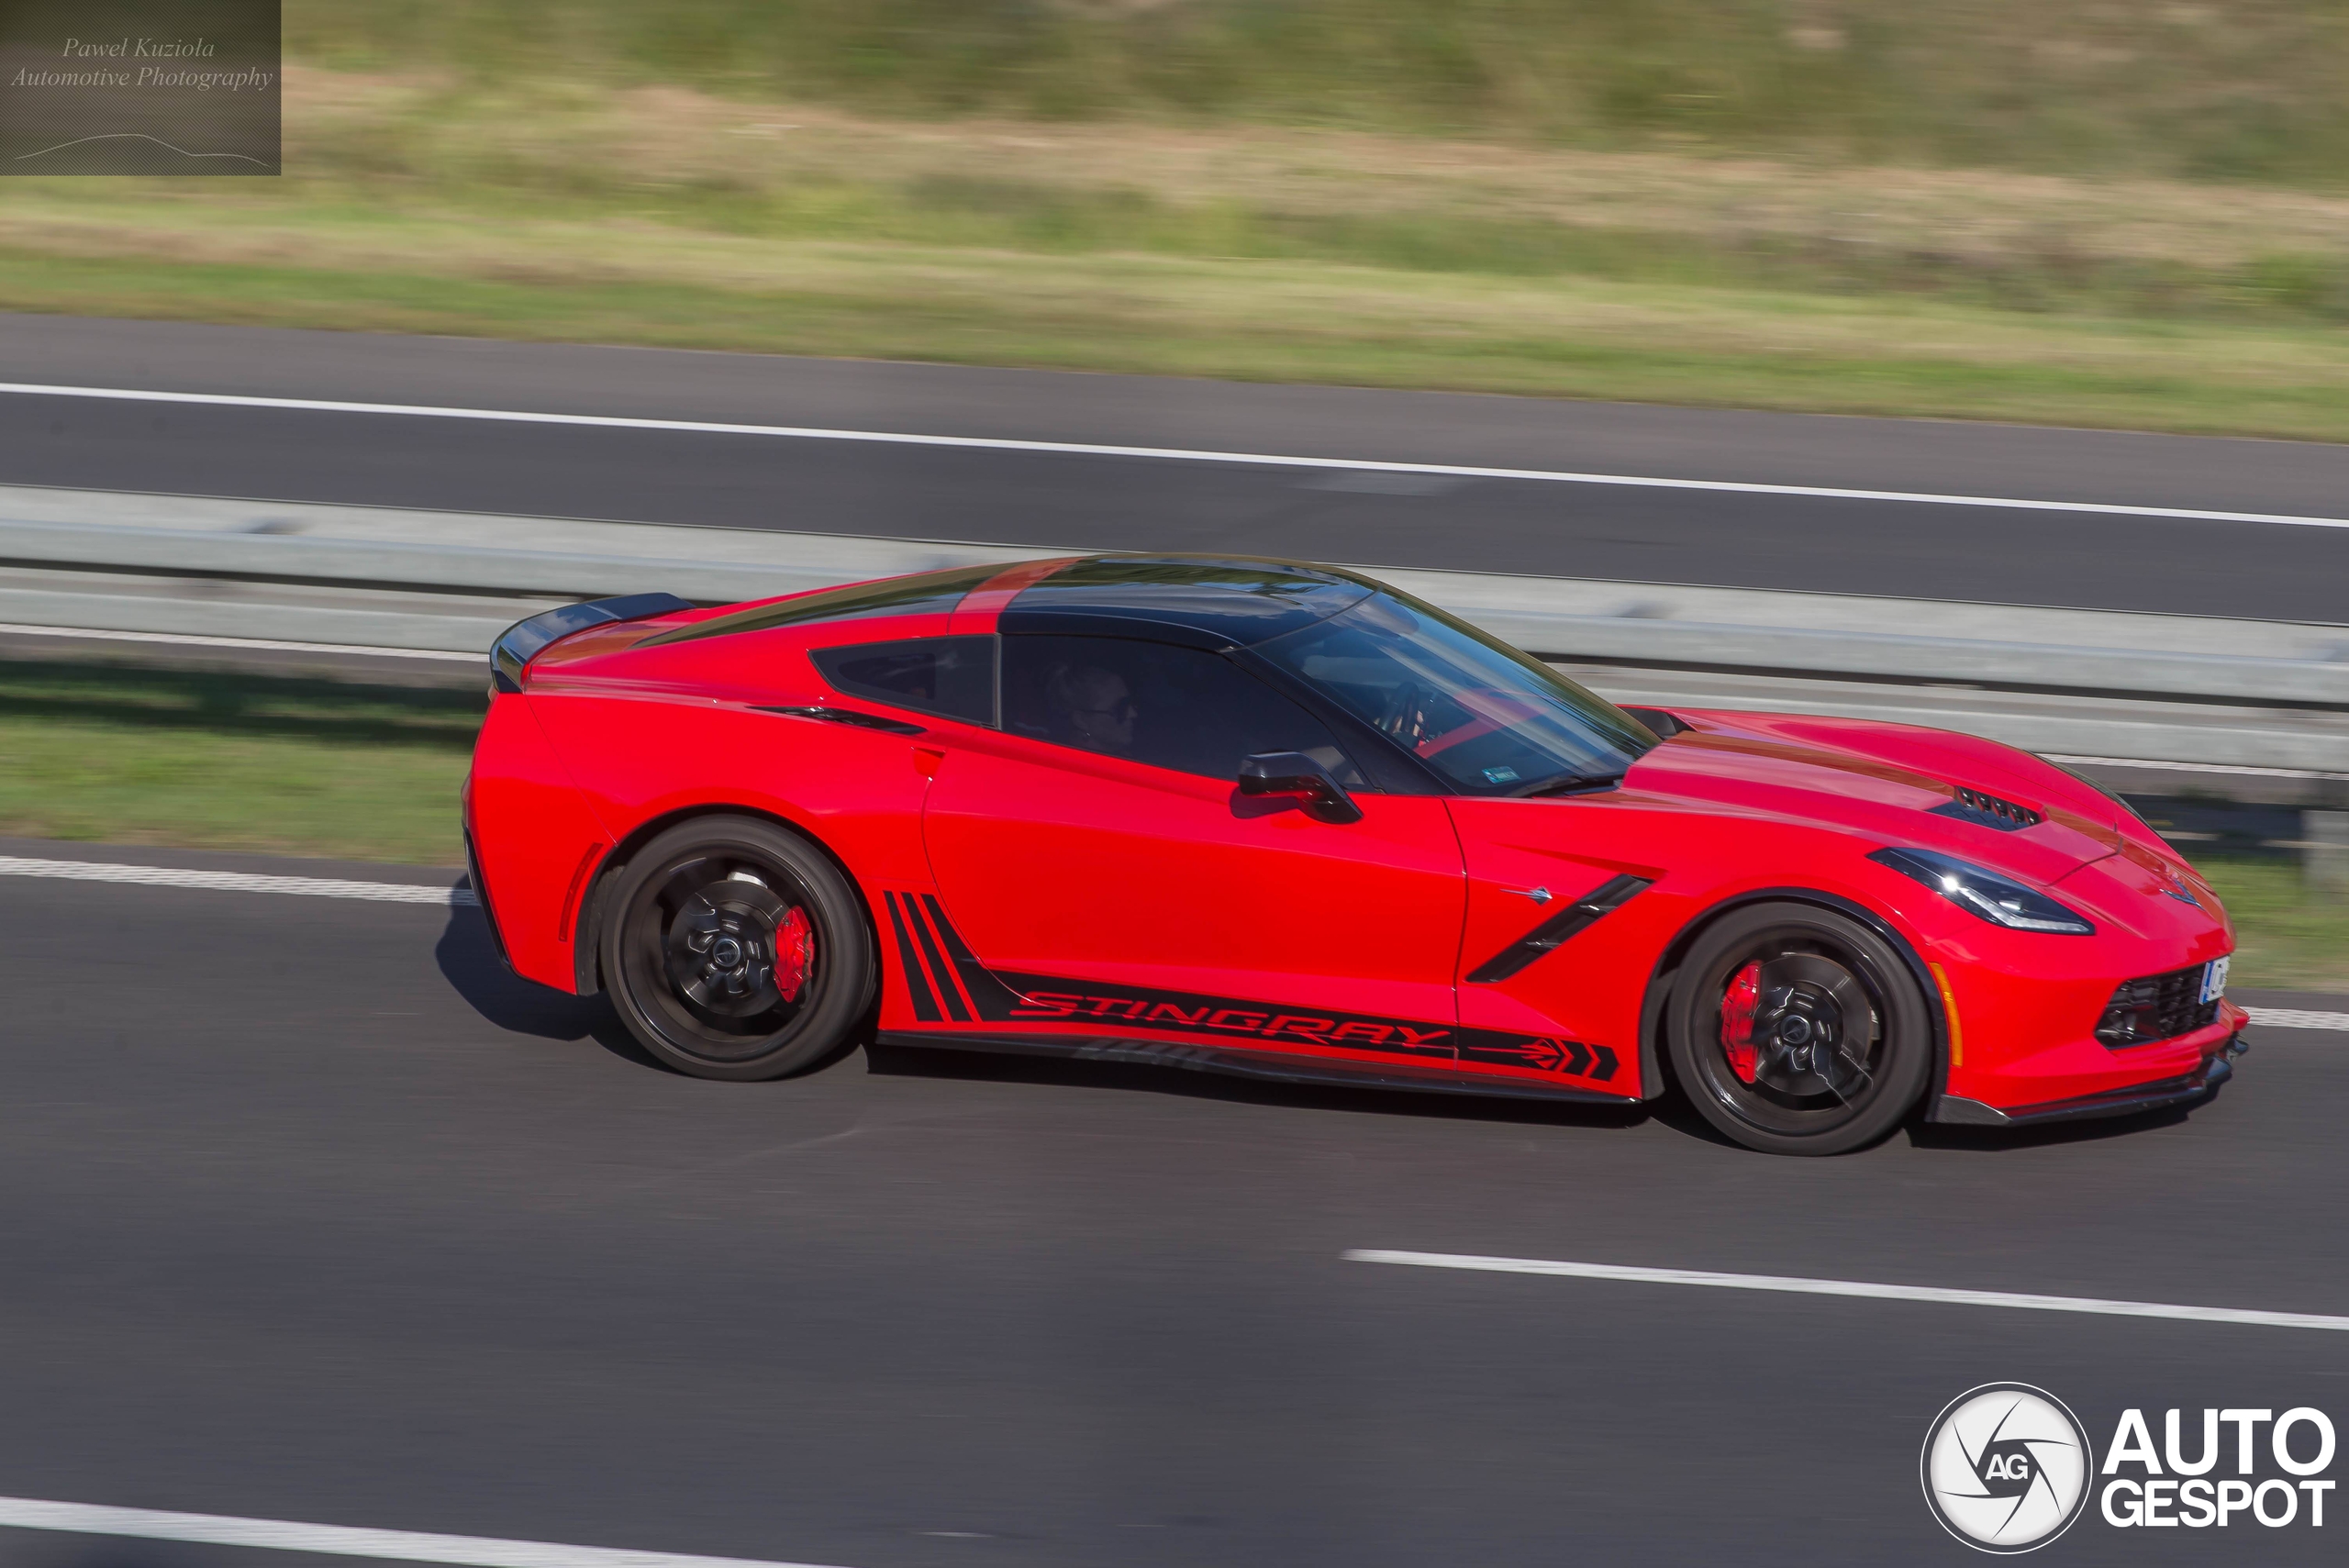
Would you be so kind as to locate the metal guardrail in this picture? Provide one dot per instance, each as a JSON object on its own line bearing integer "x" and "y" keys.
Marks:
{"x": 2271, "y": 694}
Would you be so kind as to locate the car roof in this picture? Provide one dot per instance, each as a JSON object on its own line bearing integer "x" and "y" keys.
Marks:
{"x": 1240, "y": 599}
{"x": 1233, "y": 599}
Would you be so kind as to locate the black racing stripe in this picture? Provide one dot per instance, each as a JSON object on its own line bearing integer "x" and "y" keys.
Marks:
{"x": 950, "y": 988}
{"x": 917, "y": 980}
{"x": 1575, "y": 916}
{"x": 989, "y": 996}
{"x": 955, "y": 1008}
{"x": 1545, "y": 1053}
{"x": 1256, "y": 1063}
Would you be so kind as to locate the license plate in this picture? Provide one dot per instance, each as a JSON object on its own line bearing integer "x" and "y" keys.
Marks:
{"x": 2214, "y": 978}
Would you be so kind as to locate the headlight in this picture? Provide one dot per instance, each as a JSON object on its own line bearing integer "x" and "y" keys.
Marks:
{"x": 1997, "y": 899}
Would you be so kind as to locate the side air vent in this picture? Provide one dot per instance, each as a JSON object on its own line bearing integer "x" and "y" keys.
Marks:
{"x": 1609, "y": 896}
{"x": 1990, "y": 811}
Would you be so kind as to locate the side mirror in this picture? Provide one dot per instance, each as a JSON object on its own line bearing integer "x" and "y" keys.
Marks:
{"x": 1293, "y": 775}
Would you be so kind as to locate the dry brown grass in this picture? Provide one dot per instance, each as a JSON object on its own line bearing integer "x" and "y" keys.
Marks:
{"x": 666, "y": 216}
{"x": 659, "y": 138}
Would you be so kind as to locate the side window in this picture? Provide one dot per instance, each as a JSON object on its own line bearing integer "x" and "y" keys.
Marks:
{"x": 950, "y": 676}
{"x": 1151, "y": 702}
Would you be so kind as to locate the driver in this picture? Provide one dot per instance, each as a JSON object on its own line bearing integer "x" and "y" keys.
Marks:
{"x": 1091, "y": 707}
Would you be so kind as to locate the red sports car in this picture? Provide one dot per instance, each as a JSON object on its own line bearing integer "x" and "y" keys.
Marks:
{"x": 1277, "y": 820}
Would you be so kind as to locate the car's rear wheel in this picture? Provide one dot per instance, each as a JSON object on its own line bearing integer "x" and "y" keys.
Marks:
{"x": 1798, "y": 1031}
{"x": 733, "y": 948}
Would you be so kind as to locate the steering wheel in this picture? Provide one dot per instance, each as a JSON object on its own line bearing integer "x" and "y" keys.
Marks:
{"x": 1400, "y": 717}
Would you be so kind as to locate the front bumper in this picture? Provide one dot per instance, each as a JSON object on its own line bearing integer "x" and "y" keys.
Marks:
{"x": 2199, "y": 1084}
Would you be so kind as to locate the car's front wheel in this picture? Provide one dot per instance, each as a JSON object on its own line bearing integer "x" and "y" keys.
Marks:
{"x": 734, "y": 948}
{"x": 1798, "y": 1031}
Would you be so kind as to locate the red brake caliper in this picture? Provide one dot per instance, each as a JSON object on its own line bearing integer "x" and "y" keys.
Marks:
{"x": 794, "y": 944}
{"x": 1744, "y": 994}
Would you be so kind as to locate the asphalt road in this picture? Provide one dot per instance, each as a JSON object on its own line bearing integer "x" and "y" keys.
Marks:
{"x": 310, "y": 1212}
{"x": 2095, "y": 559}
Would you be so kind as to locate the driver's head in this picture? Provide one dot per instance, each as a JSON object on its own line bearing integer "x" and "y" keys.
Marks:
{"x": 1091, "y": 706}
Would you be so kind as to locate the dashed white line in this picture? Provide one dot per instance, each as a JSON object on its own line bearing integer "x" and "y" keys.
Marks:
{"x": 2299, "y": 1018}
{"x": 1798, "y": 1286}
{"x": 343, "y": 1540}
{"x": 237, "y": 882}
{"x": 1170, "y": 454}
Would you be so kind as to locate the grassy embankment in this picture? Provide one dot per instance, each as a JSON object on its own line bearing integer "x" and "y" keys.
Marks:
{"x": 1986, "y": 210}
{"x": 113, "y": 753}
{"x": 318, "y": 767}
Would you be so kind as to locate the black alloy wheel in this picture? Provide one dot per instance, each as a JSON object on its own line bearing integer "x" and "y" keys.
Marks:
{"x": 734, "y": 948}
{"x": 1797, "y": 1031}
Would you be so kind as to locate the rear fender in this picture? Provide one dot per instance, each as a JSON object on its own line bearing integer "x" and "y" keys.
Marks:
{"x": 533, "y": 839}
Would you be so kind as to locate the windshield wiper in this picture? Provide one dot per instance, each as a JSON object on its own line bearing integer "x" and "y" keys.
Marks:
{"x": 1569, "y": 783}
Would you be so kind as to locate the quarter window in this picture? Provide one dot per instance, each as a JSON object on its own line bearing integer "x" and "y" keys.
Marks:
{"x": 950, "y": 676}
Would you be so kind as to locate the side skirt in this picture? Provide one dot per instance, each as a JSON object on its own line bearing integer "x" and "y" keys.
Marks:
{"x": 1247, "y": 1064}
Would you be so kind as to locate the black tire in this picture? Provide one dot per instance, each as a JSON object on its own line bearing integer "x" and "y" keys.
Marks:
{"x": 702, "y": 933}
{"x": 1834, "y": 1048}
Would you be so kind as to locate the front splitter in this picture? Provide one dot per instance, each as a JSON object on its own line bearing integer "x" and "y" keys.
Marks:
{"x": 2199, "y": 1084}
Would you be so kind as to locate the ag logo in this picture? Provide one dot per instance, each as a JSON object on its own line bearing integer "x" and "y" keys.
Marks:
{"x": 2006, "y": 1467}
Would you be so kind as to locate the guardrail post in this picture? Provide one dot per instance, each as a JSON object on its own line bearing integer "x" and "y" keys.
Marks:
{"x": 2325, "y": 834}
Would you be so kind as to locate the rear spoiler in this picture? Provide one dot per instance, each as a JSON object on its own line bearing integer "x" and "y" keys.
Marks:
{"x": 525, "y": 639}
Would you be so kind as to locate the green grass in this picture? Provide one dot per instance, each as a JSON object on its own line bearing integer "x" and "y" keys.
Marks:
{"x": 108, "y": 753}
{"x": 2218, "y": 89}
{"x": 1294, "y": 322}
{"x": 2285, "y": 936}
{"x": 199, "y": 760}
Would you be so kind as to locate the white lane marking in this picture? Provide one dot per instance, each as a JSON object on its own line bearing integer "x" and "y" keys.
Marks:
{"x": 463, "y": 897}
{"x": 343, "y": 1540}
{"x": 1849, "y": 1287}
{"x": 2299, "y": 1018}
{"x": 1176, "y": 454}
{"x": 237, "y": 882}
{"x": 195, "y": 639}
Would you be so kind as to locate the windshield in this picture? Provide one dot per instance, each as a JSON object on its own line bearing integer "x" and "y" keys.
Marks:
{"x": 1490, "y": 721}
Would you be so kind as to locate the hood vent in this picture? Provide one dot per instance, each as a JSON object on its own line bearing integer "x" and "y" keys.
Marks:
{"x": 1990, "y": 811}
